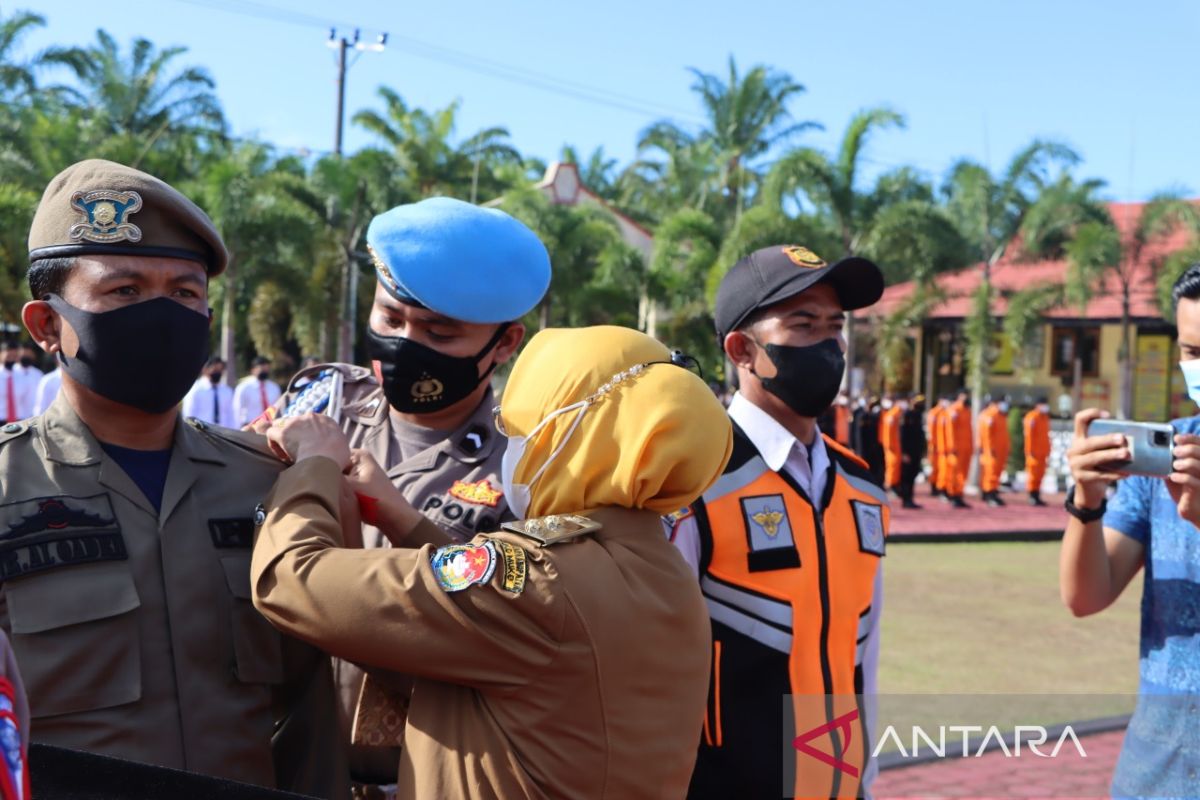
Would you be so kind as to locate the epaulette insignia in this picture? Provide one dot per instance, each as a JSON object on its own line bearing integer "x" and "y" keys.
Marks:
{"x": 553, "y": 529}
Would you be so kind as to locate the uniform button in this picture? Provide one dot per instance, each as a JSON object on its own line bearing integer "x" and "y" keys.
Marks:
{"x": 12, "y": 427}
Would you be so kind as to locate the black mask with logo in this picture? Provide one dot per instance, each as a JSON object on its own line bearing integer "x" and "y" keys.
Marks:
{"x": 145, "y": 355}
{"x": 420, "y": 380}
{"x": 806, "y": 378}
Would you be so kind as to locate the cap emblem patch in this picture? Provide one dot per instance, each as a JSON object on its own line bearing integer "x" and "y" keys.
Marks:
{"x": 106, "y": 216}
{"x": 803, "y": 257}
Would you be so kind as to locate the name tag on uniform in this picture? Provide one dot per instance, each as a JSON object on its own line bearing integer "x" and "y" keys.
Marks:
{"x": 868, "y": 518}
{"x": 232, "y": 532}
{"x": 45, "y": 533}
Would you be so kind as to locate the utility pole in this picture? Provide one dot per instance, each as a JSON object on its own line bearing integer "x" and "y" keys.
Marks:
{"x": 350, "y": 278}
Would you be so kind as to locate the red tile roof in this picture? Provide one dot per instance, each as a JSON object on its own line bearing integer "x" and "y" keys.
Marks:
{"x": 1012, "y": 274}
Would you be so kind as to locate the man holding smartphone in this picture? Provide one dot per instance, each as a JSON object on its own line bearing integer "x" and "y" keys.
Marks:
{"x": 1153, "y": 522}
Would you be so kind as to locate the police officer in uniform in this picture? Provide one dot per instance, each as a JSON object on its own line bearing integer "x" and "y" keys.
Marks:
{"x": 126, "y": 531}
{"x": 564, "y": 656}
{"x": 787, "y": 544}
{"x": 454, "y": 279}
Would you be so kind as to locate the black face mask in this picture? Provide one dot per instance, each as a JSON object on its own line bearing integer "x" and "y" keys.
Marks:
{"x": 215, "y": 377}
{"x": 146, "y": 355}
{"x": 806, "y": 378}
{"x": 27, "y": 361}
{"x": 262, "y": 376}
{"x": 420, "y": 380}
{"x": 9, "y": 364}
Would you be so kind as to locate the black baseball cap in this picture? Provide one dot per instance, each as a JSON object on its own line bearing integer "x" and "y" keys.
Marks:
{"x": 772, "y": 274}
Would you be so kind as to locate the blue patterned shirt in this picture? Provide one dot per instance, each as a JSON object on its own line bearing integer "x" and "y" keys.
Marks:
{"x": 1161, "y": 753}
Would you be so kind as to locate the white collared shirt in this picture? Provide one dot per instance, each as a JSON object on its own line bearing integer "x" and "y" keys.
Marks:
{"x": 807, "y": 465}
{"x": 198, "y": 403}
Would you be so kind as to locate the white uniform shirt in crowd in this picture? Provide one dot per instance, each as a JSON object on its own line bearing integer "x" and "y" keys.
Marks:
{"x": 18, "y": 385}
{"x": 47, "y": 390}
{"x": 809, "y": 467}
{"x": 209, "y": 403}
{"x": 252, "y": 397}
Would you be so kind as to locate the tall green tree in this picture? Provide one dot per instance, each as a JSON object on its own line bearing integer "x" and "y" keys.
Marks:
{"x": 595, "y": 274}
{"x": 140, "y": 99}
{"x": 422, "y": 143}
{"x": 267, "y": 229}
{"x": 990, "y": 211}
{"x": 831, "y": 186}
{"x": 745, "y": 117}
{"x": 17, "y": 75}
{"x": 1099, "y": 255}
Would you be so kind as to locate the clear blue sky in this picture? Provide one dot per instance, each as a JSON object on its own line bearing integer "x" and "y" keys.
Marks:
{"x": 1115, "y": 80}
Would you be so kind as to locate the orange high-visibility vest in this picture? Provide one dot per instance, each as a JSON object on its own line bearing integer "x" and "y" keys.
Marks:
{"x": 789, "y": 591}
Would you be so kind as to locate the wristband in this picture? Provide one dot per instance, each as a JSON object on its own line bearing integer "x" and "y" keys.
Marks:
{"x": 1084, "y": 515}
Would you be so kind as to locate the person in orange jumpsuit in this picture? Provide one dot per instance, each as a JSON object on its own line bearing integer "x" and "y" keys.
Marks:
{"x": 960, "y": 447}
{"x": 937, "y": 453}
{"x": 1037, "y": 449}
{"x": 993, "y": 448}
{"x": 889, "y": 440}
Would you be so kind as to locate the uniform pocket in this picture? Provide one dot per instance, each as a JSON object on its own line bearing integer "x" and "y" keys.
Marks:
{"x": 75, "y": 637}
{"x": 256, "y": 645}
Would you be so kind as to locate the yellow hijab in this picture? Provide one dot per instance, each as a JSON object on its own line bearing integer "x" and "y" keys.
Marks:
{"x": 656, "y": 440}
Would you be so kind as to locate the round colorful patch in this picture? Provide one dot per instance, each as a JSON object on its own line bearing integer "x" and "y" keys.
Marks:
{"x": 461, "y": 565}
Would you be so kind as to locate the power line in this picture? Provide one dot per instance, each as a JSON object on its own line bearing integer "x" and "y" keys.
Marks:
{"x": 457, "y": 58}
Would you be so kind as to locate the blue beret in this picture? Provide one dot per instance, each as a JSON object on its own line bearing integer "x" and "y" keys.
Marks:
{"x": 466, "y": 262}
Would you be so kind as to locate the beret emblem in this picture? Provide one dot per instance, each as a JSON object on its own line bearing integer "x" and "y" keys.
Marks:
{"x": 106, "y": 216}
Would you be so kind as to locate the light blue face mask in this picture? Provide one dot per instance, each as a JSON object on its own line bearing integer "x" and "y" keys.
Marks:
{"x": 1191, "y": 376}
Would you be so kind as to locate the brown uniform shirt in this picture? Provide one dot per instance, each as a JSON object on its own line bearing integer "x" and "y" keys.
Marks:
{"x": 588, "y": 682}
{"x": 134, "y": 629}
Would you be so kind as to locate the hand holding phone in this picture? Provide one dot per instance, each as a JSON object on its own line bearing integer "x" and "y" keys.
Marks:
{"x": 1149, "y": 446}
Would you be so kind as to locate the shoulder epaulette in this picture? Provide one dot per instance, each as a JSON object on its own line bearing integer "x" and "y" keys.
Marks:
{"x": 15, "y": 430}
{"x": 248, "y": 441}
{"x": 554, "y": 528}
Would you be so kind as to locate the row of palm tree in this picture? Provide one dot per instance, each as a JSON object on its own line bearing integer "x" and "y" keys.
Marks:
{"x": 298, "y": 280}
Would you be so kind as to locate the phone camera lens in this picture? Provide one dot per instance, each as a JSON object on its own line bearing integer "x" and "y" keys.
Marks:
{"x": 1161, "y": 439}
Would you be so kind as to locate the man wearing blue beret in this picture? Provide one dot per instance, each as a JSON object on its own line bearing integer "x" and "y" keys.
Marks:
{"x": 454, "y": 279}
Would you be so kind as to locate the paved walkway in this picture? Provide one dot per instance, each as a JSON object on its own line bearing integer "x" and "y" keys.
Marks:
{"x": 993, "y": 775}
{"x": 1016, "y": 520}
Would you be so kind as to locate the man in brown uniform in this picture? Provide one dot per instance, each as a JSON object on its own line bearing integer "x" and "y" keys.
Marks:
{"x": 125, "y": 532}
{"x": 566, "y": 658}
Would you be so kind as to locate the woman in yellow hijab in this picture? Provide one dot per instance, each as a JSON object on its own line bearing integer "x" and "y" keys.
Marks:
{"x": 566, "y": 656}
{"x": 601, "y": 417}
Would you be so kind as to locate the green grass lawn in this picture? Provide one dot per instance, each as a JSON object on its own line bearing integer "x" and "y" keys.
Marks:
{"x": 987, "y": 618}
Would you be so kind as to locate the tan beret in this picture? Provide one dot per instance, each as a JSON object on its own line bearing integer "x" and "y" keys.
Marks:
{"x": 99, "y": 207}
